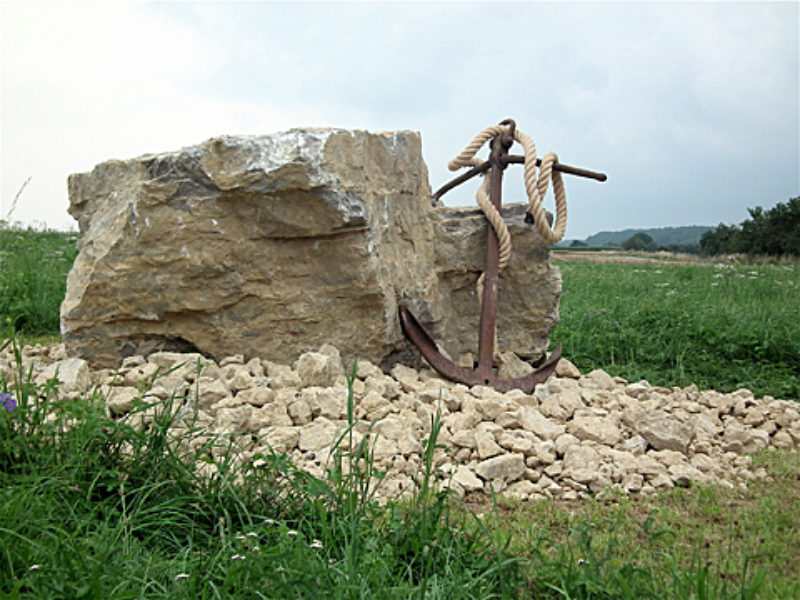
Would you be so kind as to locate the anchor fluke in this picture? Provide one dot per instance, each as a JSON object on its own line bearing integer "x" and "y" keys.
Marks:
{"x": 416, "y": 333}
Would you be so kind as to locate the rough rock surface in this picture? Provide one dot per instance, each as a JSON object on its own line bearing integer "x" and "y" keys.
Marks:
{"x": 576, "y": 435}
{"x": 270, "y": 246}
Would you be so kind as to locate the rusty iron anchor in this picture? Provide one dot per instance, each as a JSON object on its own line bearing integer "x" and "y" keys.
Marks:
{"x": 484, "y": 373}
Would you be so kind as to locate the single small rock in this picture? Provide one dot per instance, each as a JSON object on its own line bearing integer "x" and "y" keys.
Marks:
{"x": 72, "y": 375}
{"x": 120, "y": 399}
{"x": 663, "y": 432}
{"x": 537, "y": 423}
{"x": 602, "y": 431}
{"x": 566, "y": 369}
{"x": 506, "y": 467}
{"x": 465, "y": 476}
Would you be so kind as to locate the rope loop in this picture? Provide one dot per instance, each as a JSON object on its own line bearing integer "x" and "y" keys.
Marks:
{"x": 536, "y": 185}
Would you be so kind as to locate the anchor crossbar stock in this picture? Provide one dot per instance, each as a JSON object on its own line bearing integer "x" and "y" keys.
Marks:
{"x": 484, "y": 373}
{"x": 512, "y": 159}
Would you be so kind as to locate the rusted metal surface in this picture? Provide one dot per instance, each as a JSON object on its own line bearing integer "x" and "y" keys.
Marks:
{"x": 511, "y": 159}
{"x": 484, "y": 373}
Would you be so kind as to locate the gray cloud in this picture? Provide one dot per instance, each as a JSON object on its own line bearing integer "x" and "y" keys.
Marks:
{"x": 691, "y": 108}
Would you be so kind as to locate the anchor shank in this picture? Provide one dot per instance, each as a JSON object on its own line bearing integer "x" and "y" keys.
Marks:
{"x": 491, "y": 282}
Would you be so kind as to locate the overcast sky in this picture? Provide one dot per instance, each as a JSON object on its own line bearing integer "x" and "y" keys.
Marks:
{"x": 690, "y": 108}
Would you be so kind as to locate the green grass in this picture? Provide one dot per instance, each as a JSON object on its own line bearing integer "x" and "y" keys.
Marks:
{"x": 723, "y": 326}
{"x": 33, "y": 272}
{"x": 697, "y": 542}
{"x": 92, "y": 507}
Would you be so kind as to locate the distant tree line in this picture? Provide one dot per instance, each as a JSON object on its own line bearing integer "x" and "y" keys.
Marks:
{"x": 774, "y": 232}
{"x": 640, "y": 241}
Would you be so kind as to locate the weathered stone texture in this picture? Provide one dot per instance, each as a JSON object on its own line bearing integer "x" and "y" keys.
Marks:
{"x": 271, "y": 246}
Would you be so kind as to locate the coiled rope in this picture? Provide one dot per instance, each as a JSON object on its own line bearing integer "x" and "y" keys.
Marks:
{"x": 535, "y": 186}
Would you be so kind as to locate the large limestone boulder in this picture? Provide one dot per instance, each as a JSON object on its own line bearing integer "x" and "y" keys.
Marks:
{"x": 271, "y": 246}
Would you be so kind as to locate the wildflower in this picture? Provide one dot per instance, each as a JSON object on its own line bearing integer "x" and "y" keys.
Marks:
{"x": 8, "y": 401}
{"x": 34, "y": 567}
{"x": 237, "y": 557}
{"x": 180, "y": 576}
{"x": 291, "y": 532}
{"x": 316, "y": 544}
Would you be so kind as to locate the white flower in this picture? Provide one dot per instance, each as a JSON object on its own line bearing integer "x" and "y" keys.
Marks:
{"x": 316, "y": 544}
{"x": 291, "y": 532}
{"x": 237, "y": 557}
{"x": 34, "y": 567}
{"x": 180, "y": 576}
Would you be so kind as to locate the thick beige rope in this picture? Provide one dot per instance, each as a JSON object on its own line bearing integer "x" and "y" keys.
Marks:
{"x": 535, "y": 186}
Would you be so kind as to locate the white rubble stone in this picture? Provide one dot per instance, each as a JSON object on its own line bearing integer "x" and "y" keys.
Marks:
{"x": 140, "y": 373}
{"x": 72, "y": 375}
{"x": 232, "y": 420}
{"x": 603, "y": 431}
{"x": 744, "y": 440}
{"x": 571, "y": 437}
{"x": 406, "y": 376}
{"x": 461, "y": 421}
{"x": 486, "y": 445}
{"x": 566, "y": 369}
{"x": 464, "y": 439}
{"x": 506, "y": 467}
{"x": 120, "y": 399}
{"x": 384, "y": 448}
{"x": 782, "y": 440}
{"x": 535, "y": 422}
{"x": 282, "y": 376}
{"x": 299, "y": 410}
{"x": 257, "y": 396}
{"x": 316, "y": 369}
{"x": 317, "y": 435}
{"x": 366, "y": 369}
{"x": 272, "y": 414}
{"x": 465, "y": 476}
{"x": 373, "y": 406}
{"x": 663, "y": 432}
{"x": 512, "y": 366}
{"x": 544, "y": 452}
{"x": 683, "y": 475}
{"x": 280, "y": 439}
{"x": 327, "y": 402}
{"x": 636, "y": 445}
{"x": 210, "y": 391}
{"x": 509, "y": 419}
{"x": 598, "y": 379}
{"x": 520, "y": 490}
{"x": 391, "y": 427}
{"x": 563, "y": 442}
{"x": 517, "y": 441}
{"x": 409, "y": 444}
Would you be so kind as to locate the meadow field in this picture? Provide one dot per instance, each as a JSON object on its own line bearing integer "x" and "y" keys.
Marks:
{"x": 101, "y": 510}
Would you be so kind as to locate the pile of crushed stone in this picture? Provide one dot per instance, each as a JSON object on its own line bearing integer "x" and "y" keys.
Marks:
{"x": 575, "y": 435}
